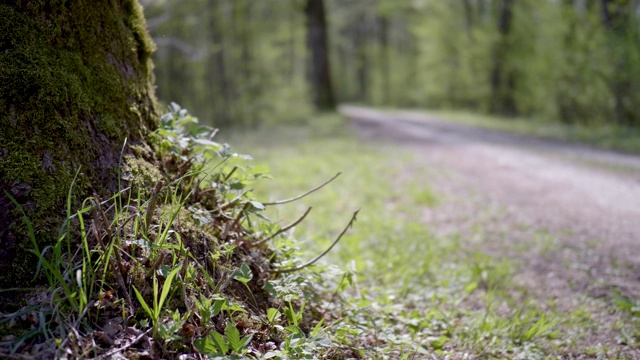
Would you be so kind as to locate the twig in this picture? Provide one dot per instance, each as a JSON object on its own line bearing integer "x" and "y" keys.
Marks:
{"x": 235, "y": 223}
{"x": 230, "y": 173}
{"x": 309, "y": 263}
{"x": 229, "y": 203}
{"x": 115, "y": 351}
{"x": 77, "y": 323}
{"x": 302, "y": 195}
{"x": 286, "y": 228}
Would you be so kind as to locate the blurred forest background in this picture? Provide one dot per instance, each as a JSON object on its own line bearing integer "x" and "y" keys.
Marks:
{"x": 249, "y": 63}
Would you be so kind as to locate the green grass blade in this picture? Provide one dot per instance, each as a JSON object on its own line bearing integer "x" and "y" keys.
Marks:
{"x": 144, "y": 305}
{"x": 166, "y": 287}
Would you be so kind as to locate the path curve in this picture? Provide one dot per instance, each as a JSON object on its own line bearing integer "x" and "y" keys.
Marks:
{"x": 591, "y": 194}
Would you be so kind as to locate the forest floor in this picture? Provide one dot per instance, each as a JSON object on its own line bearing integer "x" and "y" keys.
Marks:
{"x": 586, "y": 201}
{"x": 470, "y": 243}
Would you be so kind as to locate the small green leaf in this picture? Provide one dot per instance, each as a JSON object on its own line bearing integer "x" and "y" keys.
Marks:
{"x": 207, "y": 346}
{"x": 273, "y": 314}
{"x": 146, "y": 307}
{"x": 257, "y": 205}
{"x": 245, "y": 341}
{"x": 219, "y": 305}
{"x": 237, "y": 186}
{"x": 244, "y": 274}
{"x": 471, "y": 287}
{"x": 316, "y": 330}
{"x": 232, "y": 335}
{"x": 205, "y": 142}
{"x": 236, "y": 308}
{"x": 166, "y": 287}
{"x": 220, "y": 342}
{"x": 437, "y": 342}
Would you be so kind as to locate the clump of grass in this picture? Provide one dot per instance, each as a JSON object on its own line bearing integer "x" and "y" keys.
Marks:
{"x": 188, "y": 269}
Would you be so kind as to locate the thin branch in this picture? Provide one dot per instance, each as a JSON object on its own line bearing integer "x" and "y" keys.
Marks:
{"x": 286, "y": 228}
{"x": 309, "y": 263}
{"x": 77, "y": 323}
{"x": 115, "y": 351}
{"x": 303, "y": 195}
{"x": 235, "y": 223}
{"x": 229, "y": 203}
{"x": 230, "y": 173}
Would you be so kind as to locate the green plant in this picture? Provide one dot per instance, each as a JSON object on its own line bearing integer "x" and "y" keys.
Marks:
{"x": 231, "y": 343}
{"x": 159, "y": 299}
{"x": 177, "y": 247}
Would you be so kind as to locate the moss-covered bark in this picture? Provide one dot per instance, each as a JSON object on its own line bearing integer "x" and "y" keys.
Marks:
{"x": 75, "y": 81}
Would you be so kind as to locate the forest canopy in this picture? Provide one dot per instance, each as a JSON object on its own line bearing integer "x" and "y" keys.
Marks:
{"x": 244, "y": 62}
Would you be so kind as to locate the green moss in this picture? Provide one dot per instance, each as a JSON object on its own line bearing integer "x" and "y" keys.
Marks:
{"x": 75, "y": 81}
{"x": 143, "y": 175}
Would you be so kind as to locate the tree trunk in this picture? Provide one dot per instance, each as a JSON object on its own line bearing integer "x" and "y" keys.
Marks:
{"x": 318, "y": 48}
{"x": 219, "y": 82}
{"x": 384, "y": 58}
{"x": 75, "y": 82}
{"x": 502, "y": 78}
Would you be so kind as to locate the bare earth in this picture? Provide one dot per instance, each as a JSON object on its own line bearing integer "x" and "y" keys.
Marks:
{"x": 569, "y": 214}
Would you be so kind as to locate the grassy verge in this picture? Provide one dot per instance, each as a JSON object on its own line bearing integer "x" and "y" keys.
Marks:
{"x": 606, "y": 136}
{"x": 412, "y": 294}
{"x": 203, "y": 265}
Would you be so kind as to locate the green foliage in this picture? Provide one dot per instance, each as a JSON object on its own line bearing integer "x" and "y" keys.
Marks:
{"x": 558, "y": 60}
{"x": 215, "y": 344}
{"x": 234, "y": 62}
{"x": 183, "y": 264}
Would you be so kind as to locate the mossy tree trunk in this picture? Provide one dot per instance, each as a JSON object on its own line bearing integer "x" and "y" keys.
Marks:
{"x": 75, "y": 81}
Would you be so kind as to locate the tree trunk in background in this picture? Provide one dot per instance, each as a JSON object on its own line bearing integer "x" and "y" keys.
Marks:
{"x": 616, "y": 19}
{"x": 218, "y": 83}
{"x": 318, "y": 49}
{"x": 75, "y": 81}
{"x": 468, "y": 16}
{"x": 502, "y": 78}
{"x": 384, "y": 46}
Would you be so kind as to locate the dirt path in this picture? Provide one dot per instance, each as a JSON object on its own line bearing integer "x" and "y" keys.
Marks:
{"x": 588, "y": 199}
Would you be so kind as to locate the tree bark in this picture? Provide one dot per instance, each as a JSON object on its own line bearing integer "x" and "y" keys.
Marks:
{"x": 502, "y": 78}
{"x": 384, "y": 58}
{"x": 75, "y": 82}
{"x": 318, "y": 49}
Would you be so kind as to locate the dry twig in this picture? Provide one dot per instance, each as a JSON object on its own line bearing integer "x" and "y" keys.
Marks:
{"x": 311, "y": 262}
{"x": 302, "y": 195}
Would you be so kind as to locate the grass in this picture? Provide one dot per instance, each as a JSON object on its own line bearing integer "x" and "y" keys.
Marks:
{"x": 202, "y": 264}
{"x": 178, "y": 270}
{"x": 412, "y": 294}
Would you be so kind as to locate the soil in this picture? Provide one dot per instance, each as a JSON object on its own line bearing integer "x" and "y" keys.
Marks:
{"x": 567, "y": 214}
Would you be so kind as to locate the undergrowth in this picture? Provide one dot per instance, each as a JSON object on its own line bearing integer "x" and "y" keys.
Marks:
{"x": 187, "y": 269}
{"x": 411, "y": 294}
{"x": 199, "y": 268}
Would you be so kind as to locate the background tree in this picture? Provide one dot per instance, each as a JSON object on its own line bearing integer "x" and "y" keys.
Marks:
{"x": 574, "y": 61}
{"x": 75, "y": 82}
{"x": 318, "y": 52}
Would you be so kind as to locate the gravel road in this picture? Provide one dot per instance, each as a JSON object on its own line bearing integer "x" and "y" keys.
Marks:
{"x": 590, "y": 196}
